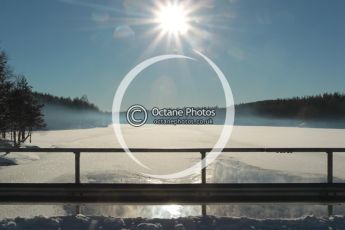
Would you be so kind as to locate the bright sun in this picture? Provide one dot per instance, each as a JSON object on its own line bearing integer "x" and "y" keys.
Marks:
{"x": 173, "y": 19}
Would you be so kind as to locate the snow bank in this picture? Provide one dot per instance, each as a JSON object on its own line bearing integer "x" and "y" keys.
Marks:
{"x": 207, "y": 222}
{"x": 4, "y": 161}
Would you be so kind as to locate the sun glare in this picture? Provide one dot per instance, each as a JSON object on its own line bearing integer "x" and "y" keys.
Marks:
{"x": 173, "y": 19}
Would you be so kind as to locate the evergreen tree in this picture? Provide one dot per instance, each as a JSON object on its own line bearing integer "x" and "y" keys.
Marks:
{"x": 5, "y": 86}
{"x": 20, "y": 112}
{"x": 25, "y": 112}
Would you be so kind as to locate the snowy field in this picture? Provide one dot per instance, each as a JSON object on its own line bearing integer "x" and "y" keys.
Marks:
{"x": 229, "y": 167}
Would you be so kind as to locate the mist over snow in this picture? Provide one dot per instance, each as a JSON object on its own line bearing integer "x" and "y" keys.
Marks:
{"x": 58, "y": 117}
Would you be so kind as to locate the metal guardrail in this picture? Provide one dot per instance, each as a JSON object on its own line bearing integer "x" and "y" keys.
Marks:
{"x": 202, "y": 151}
{"x": 180, "y": 193}
{"x": 172, "y": 193}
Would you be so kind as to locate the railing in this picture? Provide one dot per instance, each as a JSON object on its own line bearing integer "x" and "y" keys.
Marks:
{"x": 186, "y": 193}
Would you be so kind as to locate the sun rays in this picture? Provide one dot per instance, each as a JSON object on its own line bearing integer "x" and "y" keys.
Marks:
{"x": 169, "y": 25}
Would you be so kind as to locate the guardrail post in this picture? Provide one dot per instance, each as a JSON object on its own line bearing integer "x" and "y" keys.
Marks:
{"x": 77, "y": 176}
{"x": 330, "y": 177}
{"x": 203, "y": 180}
{"x": 77, "y": 209}
{"x": 330, "y": 210}
{"x": 330, "y": 167}
{"x": 77, "y": 167}
{"x": 203, "y": 168}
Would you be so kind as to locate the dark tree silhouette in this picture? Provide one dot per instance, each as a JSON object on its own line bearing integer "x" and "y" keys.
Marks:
{"x": 5, "y": 87}
{"x": 20, "y": 112}
{"x": 24, "y": 110}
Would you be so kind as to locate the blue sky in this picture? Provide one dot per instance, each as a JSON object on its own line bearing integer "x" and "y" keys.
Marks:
{"x": 267, "y": 49}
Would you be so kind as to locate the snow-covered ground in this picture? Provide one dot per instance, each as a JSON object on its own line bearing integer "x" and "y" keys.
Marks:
{"x": 191, "y": 223}
{"x": 229, "y": 167}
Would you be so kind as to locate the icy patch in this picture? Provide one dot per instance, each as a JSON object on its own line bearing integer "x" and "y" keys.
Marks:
{"x": 231, "y": 170}
{"x": 124, "y": 176}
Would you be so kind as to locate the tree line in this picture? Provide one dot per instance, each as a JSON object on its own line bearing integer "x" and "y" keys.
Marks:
{"x": 81, "y": 103}
{"x": 323, "y": 106}
{"x": 20, "y": 111}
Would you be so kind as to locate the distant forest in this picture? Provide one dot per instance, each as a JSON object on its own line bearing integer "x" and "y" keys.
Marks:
{"x": 81, "y": 103}
{"x": 324, "y": 106}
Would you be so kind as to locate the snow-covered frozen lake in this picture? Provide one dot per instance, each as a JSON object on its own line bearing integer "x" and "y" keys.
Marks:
{"x": 229, "y": 167}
